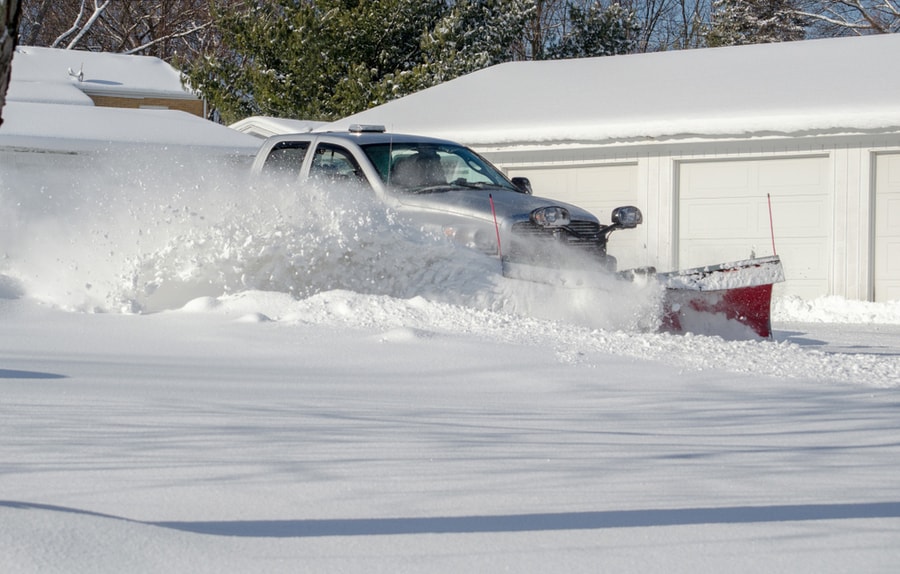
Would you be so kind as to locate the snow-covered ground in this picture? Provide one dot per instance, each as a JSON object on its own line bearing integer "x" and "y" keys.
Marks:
{"x": 202, "y": 375}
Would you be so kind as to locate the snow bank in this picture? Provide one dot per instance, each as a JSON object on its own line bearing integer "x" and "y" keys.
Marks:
{"x": 831, "y": 309}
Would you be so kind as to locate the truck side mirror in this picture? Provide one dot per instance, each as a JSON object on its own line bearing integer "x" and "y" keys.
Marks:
{"x": 523, "y": 184}
{"x": 627, "y": 217}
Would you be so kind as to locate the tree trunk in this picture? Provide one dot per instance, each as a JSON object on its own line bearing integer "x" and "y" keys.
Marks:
{"x": 8, "y": 35}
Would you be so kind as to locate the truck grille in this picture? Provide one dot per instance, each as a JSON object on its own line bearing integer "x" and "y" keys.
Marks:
{"x": 577, "y": 232}
{"x": 546, "y": 247}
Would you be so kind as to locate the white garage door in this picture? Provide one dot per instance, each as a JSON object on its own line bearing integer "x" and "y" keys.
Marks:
{"x": 723, "y": 215}
{"x": 598, "y": 189}
{"x": 887, "y": 227}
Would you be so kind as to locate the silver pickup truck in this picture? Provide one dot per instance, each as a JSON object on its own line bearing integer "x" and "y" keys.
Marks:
{"x": 450, "y": 187}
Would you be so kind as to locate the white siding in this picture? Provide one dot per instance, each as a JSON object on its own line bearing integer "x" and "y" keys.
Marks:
{"x": 887, "y": 227}
{"x": 835, "y": 203}
{"x": 723, "y": 215}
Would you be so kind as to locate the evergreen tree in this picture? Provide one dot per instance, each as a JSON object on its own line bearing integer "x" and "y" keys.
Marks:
{"x": 311, "y": 59}
{"x": 373, "y": 41}
{"x": 326, "y": 59}
{"x": 471, "y": 35}
{"x": 736, "y": 22}
{"x": 597, "y": 31}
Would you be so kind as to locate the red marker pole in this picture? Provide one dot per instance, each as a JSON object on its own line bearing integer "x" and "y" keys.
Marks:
{"x": 771, "y": 224}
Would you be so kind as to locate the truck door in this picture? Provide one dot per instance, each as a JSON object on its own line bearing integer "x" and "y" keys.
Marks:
{"x": 332, "y": 164}
{"x": 285, "y": 159}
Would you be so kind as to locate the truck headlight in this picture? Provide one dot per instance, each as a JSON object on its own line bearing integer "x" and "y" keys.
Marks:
{"x": 550, "y": 216}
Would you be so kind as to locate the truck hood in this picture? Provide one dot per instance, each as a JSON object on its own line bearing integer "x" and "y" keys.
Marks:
{"x": 510, "y": 206}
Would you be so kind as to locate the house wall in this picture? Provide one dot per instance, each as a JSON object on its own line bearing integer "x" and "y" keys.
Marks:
{"x": 191, "y": 106}
{"x": 836, "y": 218}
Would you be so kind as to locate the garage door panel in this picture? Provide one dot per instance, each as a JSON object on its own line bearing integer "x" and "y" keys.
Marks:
{"x": 796, "y": 175}
{"x": 597, "y": 189}
{"x": 796, "y": 217}
{"x": 602, "y": 189}
{"x": 889, "y": 257}
{"x": 612, "y": 180}
{"x": 702, "y": 219}
{"x": 887, "y": 227}
{"x": 545, "y": 182}
{"x": 713, "y": 251}
{"x": 888, "y": 214}
{"x": 804, "y": 259}
{"x": 724, "y": 216}
{"x": 890, "y": 292}
{"x": 750, "y": 219}
{"x": 890, "y": 165}
{"x": 805, "y": 289}
{"x": 712, "y": 180}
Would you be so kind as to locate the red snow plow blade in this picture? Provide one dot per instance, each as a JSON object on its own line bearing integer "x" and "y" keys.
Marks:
{"x": 727, "y": 299}
{"x": 730, "y": 300}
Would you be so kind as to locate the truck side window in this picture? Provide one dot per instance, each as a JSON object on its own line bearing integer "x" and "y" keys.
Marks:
{"x": 333, "y": 163}
{"x": 286, "y": 159}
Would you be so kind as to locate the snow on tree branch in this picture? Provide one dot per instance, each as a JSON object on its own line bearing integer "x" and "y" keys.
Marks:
{"x": 838, "y": 17}
{"x": 77, "y": 27}
{"x": 173, "y": 36}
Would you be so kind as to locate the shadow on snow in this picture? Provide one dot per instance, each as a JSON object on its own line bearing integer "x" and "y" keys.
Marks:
{"x": 511, "y": 522}
{"x": 13, "y": 374}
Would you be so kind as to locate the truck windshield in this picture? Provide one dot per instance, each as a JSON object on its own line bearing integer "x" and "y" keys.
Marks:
{"x": 421, "y": 167}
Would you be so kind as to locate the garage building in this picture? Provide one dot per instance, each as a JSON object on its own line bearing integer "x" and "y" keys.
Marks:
{"x": 730, "y": 152}
{"x": 66, "y": 108}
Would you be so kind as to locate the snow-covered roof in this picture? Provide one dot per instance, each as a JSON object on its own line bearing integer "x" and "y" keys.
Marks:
{"x": 59, "y": 127}
{"x": 96, "y": 73}
{"x": 48, "y": 108}
{"x": 47, "y": 93}
{"x": 842, "y": 85}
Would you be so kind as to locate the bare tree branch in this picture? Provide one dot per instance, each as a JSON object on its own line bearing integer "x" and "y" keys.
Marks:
{"x": 71, "y": 30}
{"x": 840, "y": 17}
{"x": 98, "y": 10}
{"x": 168, "y": 29}
{"x": 143, "y": 47}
